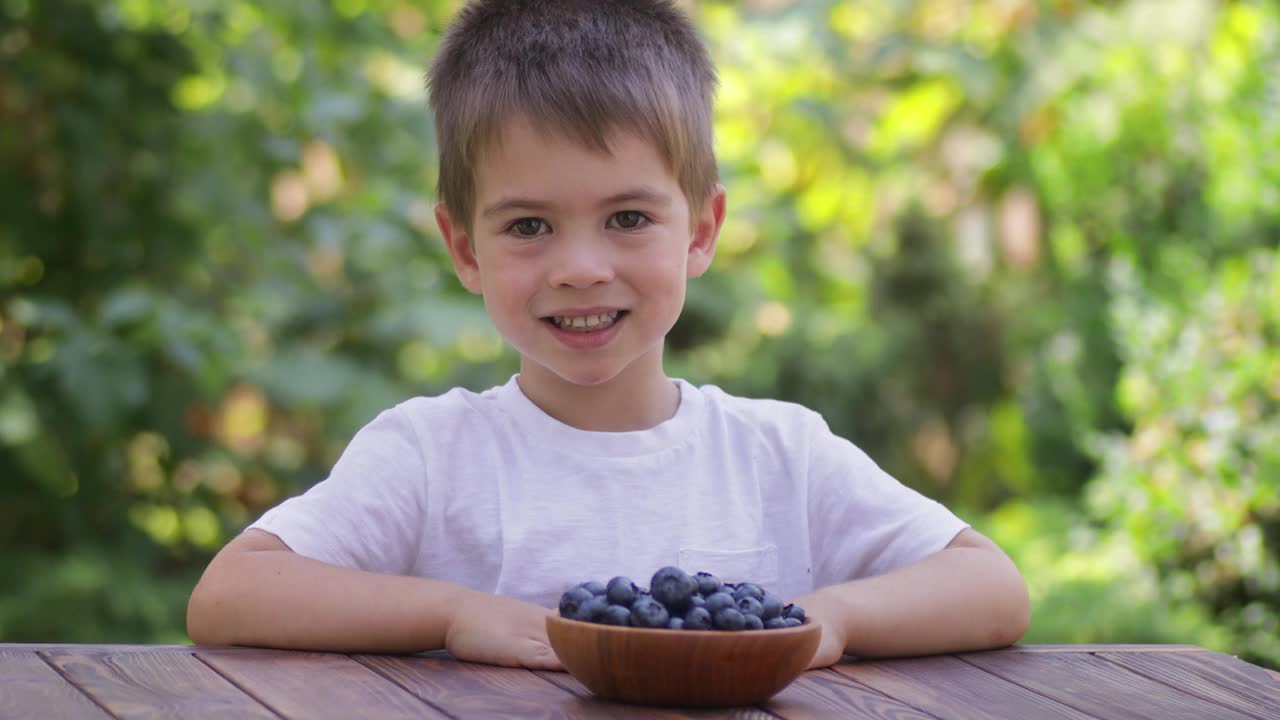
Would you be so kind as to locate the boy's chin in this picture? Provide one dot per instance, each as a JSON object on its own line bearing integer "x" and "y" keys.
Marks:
{"x": 580, "y": 377}
{"x": 599, "y": 372}
{"x": 588, "y": 378}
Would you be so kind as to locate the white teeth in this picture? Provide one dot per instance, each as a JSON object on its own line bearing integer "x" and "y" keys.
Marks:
{"x": 585, "y": 322}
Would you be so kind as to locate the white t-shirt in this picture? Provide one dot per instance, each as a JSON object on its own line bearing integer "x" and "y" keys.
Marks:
{"x": 488, "y": 491}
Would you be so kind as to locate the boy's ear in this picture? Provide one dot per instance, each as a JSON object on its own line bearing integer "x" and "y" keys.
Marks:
{"x": 461, "y": 250}
{"x": 706, "y": 231}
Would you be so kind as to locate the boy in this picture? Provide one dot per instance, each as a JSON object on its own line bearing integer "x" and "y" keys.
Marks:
{"x": 578, "y": 194}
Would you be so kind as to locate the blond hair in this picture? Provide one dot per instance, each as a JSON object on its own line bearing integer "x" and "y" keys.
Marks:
{"x": 583, "y": 68}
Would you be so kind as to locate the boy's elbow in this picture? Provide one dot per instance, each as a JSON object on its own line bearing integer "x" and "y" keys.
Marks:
{"x": 1015, "y": 617}
{"x": 1011, "y": 630}
{"x": 202, "y": 616}
{"x": 197, "y": 623}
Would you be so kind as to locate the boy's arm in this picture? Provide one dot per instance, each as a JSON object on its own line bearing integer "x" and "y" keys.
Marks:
{"x": 257, "y": 591}
{"x": 968, "y": 596}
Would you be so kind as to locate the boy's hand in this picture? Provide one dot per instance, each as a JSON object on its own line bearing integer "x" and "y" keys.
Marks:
{"x": 501, "y": 631}
{"x": 826, "y": 612}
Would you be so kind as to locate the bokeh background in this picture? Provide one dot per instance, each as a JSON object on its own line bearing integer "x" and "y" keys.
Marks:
{"x": 1024, "y": 252}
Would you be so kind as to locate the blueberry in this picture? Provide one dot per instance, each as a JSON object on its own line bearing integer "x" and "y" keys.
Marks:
{"x": 719, "y": 601}
{"x": 792, "y": 622}
{"x": 696, "y": 600}
{"x": 775, "y": 623}
{"x": 647, "y": 612}
{"x": 675, "y": 624}
{"x": 595, "y": 587}
{"x": 793, "y": 611}
{"x": 754, "y": 623}
{"x": 707, "y": 583}
{"x": 748, "y": 590}
{"x": 730, "y": 619}
{"x": 698, "y": 618}
{"x": 750, "y": 606}
{"x": 672, "y": 587}
{"x": 616, "y": 615}
{"x": 772, "y": 605}
{"x": 572, "y": 602}
{"x": 593, "y": 610}
{"x": 621, "y": 591}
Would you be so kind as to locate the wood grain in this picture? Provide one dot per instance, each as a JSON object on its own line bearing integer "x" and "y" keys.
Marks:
{"x": 1099, "y": 681}
{"x": 948, "y": 688}
{"x": 1119, "y": 648}
{"x": 30, "y": 688}
{"x": 472, "y": 690}
{"x": 1210, "y": 675}
{"x": 1099, "y": 687}
{"x": 606, "y": 708}
{"x": 316, "y": 685}
{"x": 144, "y": 683}
{"x": 105, "y": 647}
{"x": 822, "y": 694}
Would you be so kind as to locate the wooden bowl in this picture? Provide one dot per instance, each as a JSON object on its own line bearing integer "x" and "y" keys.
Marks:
{"x": 682, "y": 667}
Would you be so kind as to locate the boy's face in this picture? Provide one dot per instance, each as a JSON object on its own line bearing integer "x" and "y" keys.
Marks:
{"x": 582, "y": 257}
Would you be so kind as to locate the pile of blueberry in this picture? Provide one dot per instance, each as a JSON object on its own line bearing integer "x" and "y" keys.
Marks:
{"x": 679, "y": 601}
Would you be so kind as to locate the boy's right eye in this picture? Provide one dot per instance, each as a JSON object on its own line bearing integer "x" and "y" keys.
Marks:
{"x": 527, "y": 227}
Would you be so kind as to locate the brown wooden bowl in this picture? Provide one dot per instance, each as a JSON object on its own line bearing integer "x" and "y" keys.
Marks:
{"x": 682, "y": 667}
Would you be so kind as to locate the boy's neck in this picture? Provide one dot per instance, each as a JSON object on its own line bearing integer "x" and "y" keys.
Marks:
{"x": 623, "y": 404}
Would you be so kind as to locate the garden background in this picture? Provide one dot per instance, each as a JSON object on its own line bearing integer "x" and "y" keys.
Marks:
{"x": 1023, "y": 252}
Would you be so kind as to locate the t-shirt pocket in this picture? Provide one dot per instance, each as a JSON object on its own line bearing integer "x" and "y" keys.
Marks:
{"x": 756, "y": 565}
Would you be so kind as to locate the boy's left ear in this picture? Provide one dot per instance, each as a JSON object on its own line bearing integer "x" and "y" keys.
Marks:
{"x": 702, "y": 248}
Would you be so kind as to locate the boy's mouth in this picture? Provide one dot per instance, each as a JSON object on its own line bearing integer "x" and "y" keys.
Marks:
{"x": 586, "y": 323}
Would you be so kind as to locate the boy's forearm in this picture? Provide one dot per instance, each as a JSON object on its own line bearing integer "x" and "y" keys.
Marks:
{"x": 275, "y": 598}
{"x": 962, "y": 598}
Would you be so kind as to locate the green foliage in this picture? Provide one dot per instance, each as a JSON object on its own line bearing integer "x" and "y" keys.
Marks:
{"x": 970, "y": 233}
{"x": 1196, "y": 486}
{"x": 1088, "y": 586}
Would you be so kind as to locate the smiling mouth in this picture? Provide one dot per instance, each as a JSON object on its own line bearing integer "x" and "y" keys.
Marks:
{"x": 586, "y": 323}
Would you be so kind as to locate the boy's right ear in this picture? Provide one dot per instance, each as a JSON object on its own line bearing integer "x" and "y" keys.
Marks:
{"x": 461, "y": 249}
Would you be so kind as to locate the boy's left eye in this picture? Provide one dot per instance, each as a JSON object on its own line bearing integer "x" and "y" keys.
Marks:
{"x": 629, "y": 219}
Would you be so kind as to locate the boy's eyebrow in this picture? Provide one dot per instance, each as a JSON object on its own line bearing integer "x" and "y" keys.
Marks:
{"x": 639, "y": 194}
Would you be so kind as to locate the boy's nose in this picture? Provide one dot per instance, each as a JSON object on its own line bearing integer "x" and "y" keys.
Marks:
{"x": 581, "y": 262}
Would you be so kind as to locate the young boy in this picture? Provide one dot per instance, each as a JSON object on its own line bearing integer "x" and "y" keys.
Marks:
{"x": 578, "y": 194}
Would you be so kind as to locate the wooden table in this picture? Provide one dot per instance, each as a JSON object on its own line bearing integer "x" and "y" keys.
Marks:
{"x": 1078, "y": 681}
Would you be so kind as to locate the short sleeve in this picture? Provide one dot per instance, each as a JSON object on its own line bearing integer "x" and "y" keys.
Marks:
{"x": 368, "y": 513}
{"x": 863, "y": 522}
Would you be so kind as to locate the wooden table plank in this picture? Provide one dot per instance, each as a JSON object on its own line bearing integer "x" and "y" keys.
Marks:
{"x": 823, "y": 694}
{"x": 1099, "y": 687}
{"x": 1210, "y": 675}
{"x": 315, "y": 685}
{"x": 1076, "y": 681}
{"x": 30, "y": 687}
{"x": 145, "y": 683}
{"x": 948, "y": 688}
{"x": 1119, "y": 648}
{"x": 105, "y": 647}
{"x": 605, "y": 708}
{"x": 473, "y": 690}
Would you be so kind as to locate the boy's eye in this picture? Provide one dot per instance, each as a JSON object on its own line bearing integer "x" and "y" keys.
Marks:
{"x": 629, "y": 219}
{"x": 527, "y": 227}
